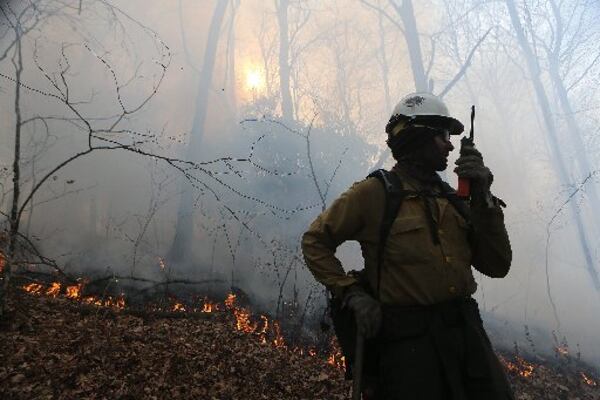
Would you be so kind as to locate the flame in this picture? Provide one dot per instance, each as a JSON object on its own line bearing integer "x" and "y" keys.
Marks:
{"x": 178, "y": 307}
{"x": 74, "y": 292}
{"x": 562, "y": 350}
{"x": 278, "y": 341}
{"x": 230, "y": 300}
{"x": 587, "y": 380}
{"x": 33, "y": 288}
{"x": 336, "y": 357}
{"x": 53, "y": 290}
{"x": 207, "y": 307}
{"x": 265, "y": 321}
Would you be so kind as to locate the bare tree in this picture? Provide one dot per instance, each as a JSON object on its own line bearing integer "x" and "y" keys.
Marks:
{"x": 560, "y": 162}
{"x": 181, "y": 247}
{"x": 407, "y": 24}
{"x": 287, "y": 106}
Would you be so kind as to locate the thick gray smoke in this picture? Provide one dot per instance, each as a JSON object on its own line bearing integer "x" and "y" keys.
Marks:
{"x": 212, "y": 133}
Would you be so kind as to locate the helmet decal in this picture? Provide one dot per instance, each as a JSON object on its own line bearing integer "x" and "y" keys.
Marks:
{"x": 414, "y": 101}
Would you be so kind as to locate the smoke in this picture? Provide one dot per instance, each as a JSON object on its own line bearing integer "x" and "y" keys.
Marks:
{"x": 262, "y": 179}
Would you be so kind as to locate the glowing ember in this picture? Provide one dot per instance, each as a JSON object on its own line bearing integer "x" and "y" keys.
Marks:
{"x": 53, "y": 290}
{"x": 178, "y": 307}
{"x": 587, "y": 380}
{"x": 519, "y": 367}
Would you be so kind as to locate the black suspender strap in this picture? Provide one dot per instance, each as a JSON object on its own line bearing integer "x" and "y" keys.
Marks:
{"x": 394, "y": 194}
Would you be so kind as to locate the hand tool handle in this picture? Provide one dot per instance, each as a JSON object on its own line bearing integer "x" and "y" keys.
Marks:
{"x": 357, "y": 369}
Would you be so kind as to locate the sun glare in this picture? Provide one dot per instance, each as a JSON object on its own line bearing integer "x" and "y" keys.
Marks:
{"x": 254, "y": 79}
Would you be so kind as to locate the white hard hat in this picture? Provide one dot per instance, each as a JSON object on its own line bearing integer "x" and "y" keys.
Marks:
{"x": 424, "y": 109}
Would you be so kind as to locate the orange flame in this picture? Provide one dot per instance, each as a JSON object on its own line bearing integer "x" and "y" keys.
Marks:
{"x": 230, "y": 300}
{"x": 33, "y": 288}
{"x": 178, "y": 307}
{"x": 587, "y": 380}
{"x": 207, "y": 307}
{"x": 336, "y": 357}
{"x": 278, "y": 341}
{"x": 74, "y": 292}
{"x": 53, "y": 290}
{"x": 562, "y": 350}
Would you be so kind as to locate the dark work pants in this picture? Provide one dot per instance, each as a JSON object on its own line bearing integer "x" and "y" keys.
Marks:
{"x": 437, "y": 353}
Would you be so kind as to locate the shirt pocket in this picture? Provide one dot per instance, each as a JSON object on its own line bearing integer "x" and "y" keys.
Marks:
{"x": 458, "y": 243}
{"x": 409, "y": 241}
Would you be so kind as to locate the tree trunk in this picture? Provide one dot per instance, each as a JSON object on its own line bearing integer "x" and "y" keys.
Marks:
{"x": 383, "y": 63}
{"x": 411, "y": 34}
{"x": 14, "y": 212}
{"x": 555, "y": 149}
{"x": 575, "y": 136}
{"x": 181, "y": 246}
{"x": 287, "y": 105}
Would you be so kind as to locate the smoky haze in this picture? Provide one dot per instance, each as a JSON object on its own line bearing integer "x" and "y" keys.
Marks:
{"x": 232, "y": 124}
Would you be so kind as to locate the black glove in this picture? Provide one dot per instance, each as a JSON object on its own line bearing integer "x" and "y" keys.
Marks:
{"x": 470, "y": 166}
{"x": 367, "y": 310}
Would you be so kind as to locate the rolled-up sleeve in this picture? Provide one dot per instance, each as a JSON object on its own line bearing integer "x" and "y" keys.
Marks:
{"x": 342, "y": 221}
{"x": 492, "y": 254}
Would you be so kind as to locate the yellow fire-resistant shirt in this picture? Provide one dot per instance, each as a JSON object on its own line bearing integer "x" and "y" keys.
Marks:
{"x": 415, "y": 271}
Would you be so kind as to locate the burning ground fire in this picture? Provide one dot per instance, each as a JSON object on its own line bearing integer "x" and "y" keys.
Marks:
{"x": 524, "y": 369}
{"x": 75, "y": 292}
{"x": 519, "y": 366}
{"x": 265, "y": 330}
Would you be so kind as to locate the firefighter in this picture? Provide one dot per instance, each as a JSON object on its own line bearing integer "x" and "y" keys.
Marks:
{"x": 413, "y": 299}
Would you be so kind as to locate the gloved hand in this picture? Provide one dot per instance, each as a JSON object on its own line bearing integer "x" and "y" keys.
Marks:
{"x": 470, "y": 165}
{"x": 367, "y": 310}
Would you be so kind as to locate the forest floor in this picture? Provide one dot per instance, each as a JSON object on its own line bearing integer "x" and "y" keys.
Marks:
{"x": 55, "y": 348}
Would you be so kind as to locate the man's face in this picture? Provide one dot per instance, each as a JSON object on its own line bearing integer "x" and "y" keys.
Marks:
{"x": 436, "y": 151}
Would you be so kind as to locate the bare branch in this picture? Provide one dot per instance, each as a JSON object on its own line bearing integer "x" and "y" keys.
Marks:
{"x": 465, "y": 66}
